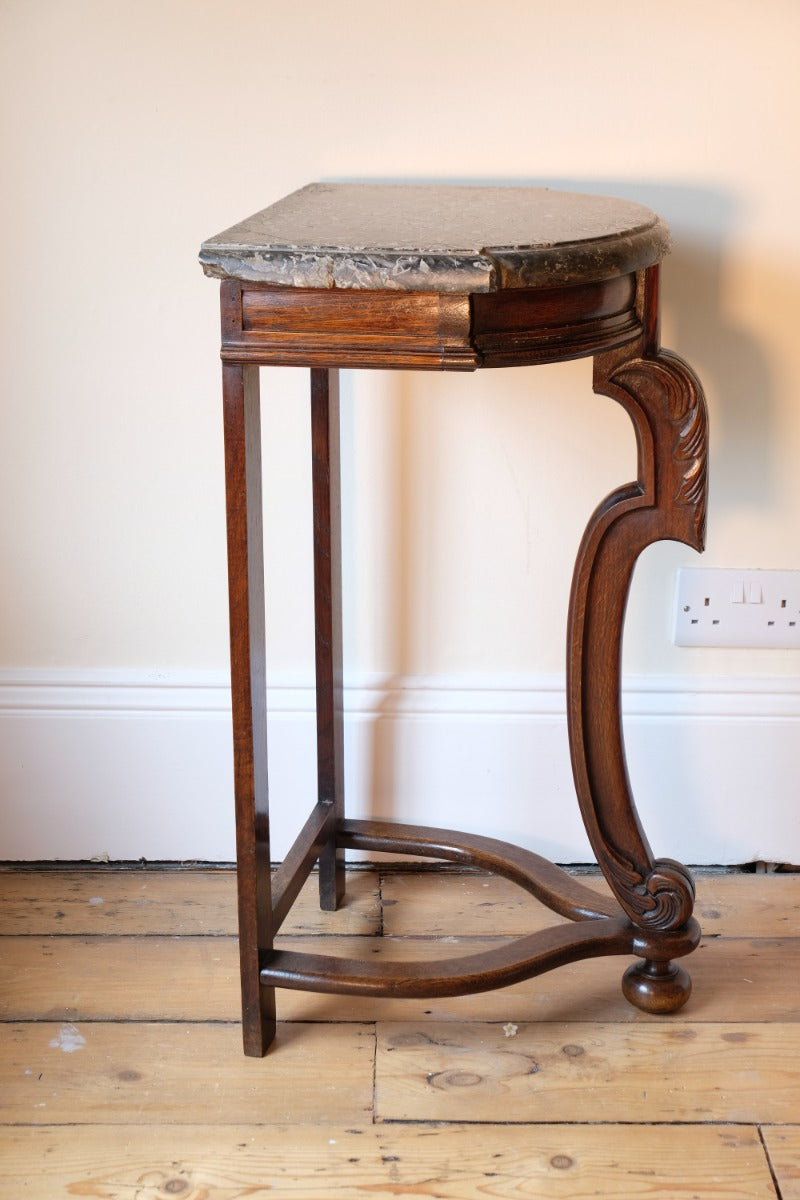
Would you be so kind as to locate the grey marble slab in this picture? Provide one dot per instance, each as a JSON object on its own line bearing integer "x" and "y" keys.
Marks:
{"x": 436, "y": 238}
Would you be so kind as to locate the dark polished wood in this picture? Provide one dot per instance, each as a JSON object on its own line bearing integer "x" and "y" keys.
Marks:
{"x": 497, "y": 967}
{"x": 303, "y": 327}
{"x": 326, "y": 502}
{"x": 422, "y": 330}
{"x": 242, "y": 425}
{"x": 665, "y": 403}
{"x": 525, "y": 305}
{"x": 538, "y": 325}
{"x": 315, "y": 841}
{"x": 657, "y": 985}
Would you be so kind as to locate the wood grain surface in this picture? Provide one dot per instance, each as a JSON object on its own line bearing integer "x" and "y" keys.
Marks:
{"x": 121, "y": 1071}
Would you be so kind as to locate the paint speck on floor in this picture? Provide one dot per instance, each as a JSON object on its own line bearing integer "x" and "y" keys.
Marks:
{"x": 69, "y": 1039}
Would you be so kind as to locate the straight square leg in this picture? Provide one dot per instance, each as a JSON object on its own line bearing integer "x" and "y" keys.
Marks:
{"x": 242, "y": 421}
{"x": 326, "y": 492}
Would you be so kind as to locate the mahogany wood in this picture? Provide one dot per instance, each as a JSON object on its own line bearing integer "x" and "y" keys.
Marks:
{"x": 657, "y": 986}
{"x": 499, "y": 966}
{"x": 326, "y": 328}
{"x": 326, "y": 496}
{"x": 241, "y": 406}
{"x": 527, "y": 325}
{"x": 653, "y": 987}
{"x": 560, "y": 892}
{"x": 613, "y": 319}
{"x": 424, "y": 330}
{"x": 312, "y": 843}
{"x": 666, "y": 405}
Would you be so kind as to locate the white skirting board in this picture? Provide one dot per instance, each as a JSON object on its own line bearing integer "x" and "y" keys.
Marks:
{"x": 126, "y": 765}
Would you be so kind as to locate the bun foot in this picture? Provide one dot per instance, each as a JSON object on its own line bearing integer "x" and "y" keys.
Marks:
{"x": 656, "y": 987}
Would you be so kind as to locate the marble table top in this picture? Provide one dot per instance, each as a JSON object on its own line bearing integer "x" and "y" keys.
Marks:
{"x": 436, "y": 238}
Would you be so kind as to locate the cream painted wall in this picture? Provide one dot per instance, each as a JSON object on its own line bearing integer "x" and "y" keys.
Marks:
{"x": 131, "y": 131}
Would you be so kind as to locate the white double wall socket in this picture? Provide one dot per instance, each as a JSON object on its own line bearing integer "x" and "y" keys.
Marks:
{"x": 728, "y": 607}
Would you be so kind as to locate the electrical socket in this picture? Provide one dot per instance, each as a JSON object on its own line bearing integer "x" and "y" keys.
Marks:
{"x": 728, "y": 607}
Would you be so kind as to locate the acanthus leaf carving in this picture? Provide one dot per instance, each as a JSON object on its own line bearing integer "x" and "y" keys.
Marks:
{"x": 683, "y": 403}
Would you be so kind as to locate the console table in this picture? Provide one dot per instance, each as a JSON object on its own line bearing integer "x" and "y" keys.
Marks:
{"x": 455, "y": 279}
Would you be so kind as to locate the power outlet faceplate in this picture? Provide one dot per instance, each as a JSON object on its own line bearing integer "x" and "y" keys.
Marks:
{"x": 727, "y": 607}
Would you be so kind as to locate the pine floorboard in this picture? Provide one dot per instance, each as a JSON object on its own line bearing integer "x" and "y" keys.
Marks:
{"x": 194, "y": 978}
{"x": 453, "y": 1162}
{"x": 783, "y": 1148}
{"x": 121, "y": 1073}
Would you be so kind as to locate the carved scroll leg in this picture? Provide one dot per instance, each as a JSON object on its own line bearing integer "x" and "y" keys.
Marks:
{"x": 666, "y": 405}
{"x": 328, "y": 621}
{"x": 249, "y": 697}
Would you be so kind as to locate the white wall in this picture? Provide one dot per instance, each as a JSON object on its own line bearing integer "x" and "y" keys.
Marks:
{"x": 133, "y": 130}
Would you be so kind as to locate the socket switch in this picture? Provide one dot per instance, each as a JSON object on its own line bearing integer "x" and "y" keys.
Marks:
{"x": 728, "y": 607}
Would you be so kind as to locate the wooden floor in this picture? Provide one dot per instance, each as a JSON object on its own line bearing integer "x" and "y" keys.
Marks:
{"x": 121, "y": 1074}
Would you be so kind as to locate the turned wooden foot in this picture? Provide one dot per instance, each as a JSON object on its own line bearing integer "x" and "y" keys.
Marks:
{"x": 657, "y": 987}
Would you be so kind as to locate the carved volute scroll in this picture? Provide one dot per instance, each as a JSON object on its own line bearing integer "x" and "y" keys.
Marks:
{"x": 668, "y": 501}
